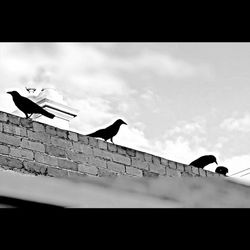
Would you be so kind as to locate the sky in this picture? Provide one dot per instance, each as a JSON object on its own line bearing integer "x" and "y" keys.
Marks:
{"x": 180, "y": 100}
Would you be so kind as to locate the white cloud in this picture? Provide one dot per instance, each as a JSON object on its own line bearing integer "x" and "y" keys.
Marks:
{"x": 161, "y": 64}
{"x": 188, "y": 128}
{"x": 237, "y": 124}
{"x": 238, "y": 163}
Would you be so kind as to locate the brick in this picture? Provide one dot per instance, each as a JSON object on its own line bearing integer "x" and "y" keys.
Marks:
{"x": 155, "y": 168}
{"x": 36, "y": 146}
{"x": 66, "y": 164}
{"x": 116, "y": 167}
{"x": 1, "y": 127}
{"x": 84, "y": 139}
{"x": 195, "y": 170}
{"x": 72, "y": 136}
{"x": 173, "y": 172}
{"x": 61, "y": 133}
{"x": 3, "y": 160}
{"x": 188, "y": 169}
{"x": 121, "y": 159}
{"x": 35, "y": 167}
{"x": 102, "y": 172}
{"x": 46, "y": 159}
{"x": 22, "y": 153}
{"x": 55, "y": 151}
{"x": 14, "y": 163}
{"x": 50, "y": 130}
{"x": 57, "y": 172}
{"x": 102, "y": 145}
{"x": 93, "y": 142}
{"x": 59, "y": 142}
{"x": 139, "y": 164}
{"x": 10, "y": 162}
{"x": 180, "y": 167}
{"x": 186, "y": 174}
{"x": 134, "y": 171}
{"x": 77, "y": 157}
{"x": 14, "y": 119}
{"x": 102, "y": 154}
{"x": 85, "y": 149}
{"x": 148, "y": 157}
{"x": 164, "y": 162}
{"x": 39, "y": 136}
{"x": 209, "y": 173}
{"x": 202, "y": 172}
{"x": 12, "y": 129}
{"x": 3, "y": 117}
{"x": 88, "y": 169}
{"x": 139, "y": 155}
{"x": 4, "y": 150}
{"x": 9, "y": 139}
{"x": 38, "y": 127}
{"x": 149, "y": 174}
{"x": 172, "y": 164}
{"x": 100, "y": 163}
{"x": 76, "y": 174}
{"x": 112, "y": 147}
{"x": 28, "y": 123}
{"x": 121, "y": 150}
{"x": 156, "y": 160}
{"x": 131, "y": 152}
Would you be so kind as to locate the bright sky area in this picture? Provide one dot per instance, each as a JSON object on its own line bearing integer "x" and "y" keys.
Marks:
{"x": 180, "y": 100}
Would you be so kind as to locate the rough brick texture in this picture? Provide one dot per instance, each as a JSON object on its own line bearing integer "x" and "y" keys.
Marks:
{"x": 41, "y": 149}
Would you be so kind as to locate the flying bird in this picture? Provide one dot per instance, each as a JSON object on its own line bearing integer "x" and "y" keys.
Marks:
{"x": 221, "y": 170}
{"x": 27, "y": 106}
{"x": 109, "y": 132}
{"x": 204, "y": 161}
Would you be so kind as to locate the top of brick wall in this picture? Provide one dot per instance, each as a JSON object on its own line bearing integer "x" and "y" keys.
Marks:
{"x": 44, "y": 149}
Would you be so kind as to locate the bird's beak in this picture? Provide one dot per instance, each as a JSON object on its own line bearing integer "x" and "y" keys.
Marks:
{"x": 8, "y": 92}
{"x": 216, "y": 162}
{"x": 125, "y": 123}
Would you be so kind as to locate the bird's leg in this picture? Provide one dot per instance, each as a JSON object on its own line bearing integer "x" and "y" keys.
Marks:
{"x": 112, "y": 140}
{"x": 29, "y": 116}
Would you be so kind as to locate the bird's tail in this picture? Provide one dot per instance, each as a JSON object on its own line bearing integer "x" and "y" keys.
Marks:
{"x": 92, "y": 134}
{"x": 47, "y": 114}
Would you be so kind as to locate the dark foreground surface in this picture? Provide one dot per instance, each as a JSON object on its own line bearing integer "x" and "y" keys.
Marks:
{"x": 21, "y": 190}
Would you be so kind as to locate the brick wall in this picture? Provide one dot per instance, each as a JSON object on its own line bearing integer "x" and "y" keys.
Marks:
{"x": 37, "y": 148}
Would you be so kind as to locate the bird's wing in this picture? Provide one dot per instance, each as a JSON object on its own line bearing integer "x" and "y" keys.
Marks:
{"x": 27, "y": 105}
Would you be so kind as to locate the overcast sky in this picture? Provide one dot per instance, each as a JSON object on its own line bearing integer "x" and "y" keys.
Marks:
{"x": 180, "y": 100}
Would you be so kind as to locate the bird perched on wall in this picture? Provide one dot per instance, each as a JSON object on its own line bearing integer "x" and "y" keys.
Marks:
{"x": 221, "y": 170}
{"x": 204, "y": 161}
{"x": 27, "y": 106}
{"x": 109, "y": 132}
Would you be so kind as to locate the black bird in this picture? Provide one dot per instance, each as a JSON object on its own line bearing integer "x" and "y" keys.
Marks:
{"x": 109, "y": 132}
{"x": 221, "y": 170}
{"x": 27, "y": 106}
{"x": 204, "y": 161}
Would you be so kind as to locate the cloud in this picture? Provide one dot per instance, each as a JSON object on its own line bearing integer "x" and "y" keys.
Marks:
{"x": 150, "y": 100}
{"x": 188, "y": 128}
{"x": 238, "y": 163}
{"x": 237, "y": 124}
{"x": 160, "y": 64}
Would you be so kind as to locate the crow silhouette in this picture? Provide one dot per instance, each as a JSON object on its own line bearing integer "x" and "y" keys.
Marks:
{"x": 27, "y": 106}
{"x": 204, "y": 161}
{"x": 221, "y": 170}
{"x": 109, "y": 132}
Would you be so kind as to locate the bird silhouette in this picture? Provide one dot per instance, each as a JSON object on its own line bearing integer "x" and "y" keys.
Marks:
{"x": 109, "y": 132}
{"x": 204, "y": 161}
{"x": 27, "y": 106}
{"x": 221, "y": 170}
